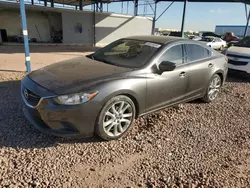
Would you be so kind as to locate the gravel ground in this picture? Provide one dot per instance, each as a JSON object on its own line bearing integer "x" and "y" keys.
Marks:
{"x": 191, "y": 145}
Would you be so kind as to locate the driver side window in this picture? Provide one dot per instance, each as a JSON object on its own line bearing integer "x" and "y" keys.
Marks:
{"x": 173, "y": 54}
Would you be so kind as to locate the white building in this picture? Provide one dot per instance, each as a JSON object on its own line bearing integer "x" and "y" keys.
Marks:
{"x": 77, "y": 27}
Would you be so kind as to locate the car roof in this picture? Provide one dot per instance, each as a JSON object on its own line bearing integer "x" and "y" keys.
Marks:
{"x": 211, "y": 37}
{"x": 156, "y": 39}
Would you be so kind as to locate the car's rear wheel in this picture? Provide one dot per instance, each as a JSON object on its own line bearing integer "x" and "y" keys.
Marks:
{"x": 116, "y": 118}
{"x": 213, "y": 89}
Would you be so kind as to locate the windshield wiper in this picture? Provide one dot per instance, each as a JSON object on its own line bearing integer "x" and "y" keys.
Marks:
{"x": 90, "y": 56}
{"x": 107, "y": 62}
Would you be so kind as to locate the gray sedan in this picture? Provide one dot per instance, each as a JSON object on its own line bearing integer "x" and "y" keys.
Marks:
{"x": 105, "y": 91}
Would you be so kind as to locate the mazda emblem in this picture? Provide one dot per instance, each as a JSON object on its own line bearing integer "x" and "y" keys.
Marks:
{"x": 26, "y": 94}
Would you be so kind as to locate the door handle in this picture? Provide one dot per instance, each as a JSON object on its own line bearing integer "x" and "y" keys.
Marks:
{"x": 182, "y": 74}
{"x": 210, "y": 65}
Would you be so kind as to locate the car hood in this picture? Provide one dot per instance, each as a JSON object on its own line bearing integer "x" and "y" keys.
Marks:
{"x": 238, "y": 50}
{"x": 76, "y": 75}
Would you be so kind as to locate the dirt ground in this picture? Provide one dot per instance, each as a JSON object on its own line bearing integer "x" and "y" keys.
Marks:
{"x": 12, "y": 59}
{"x": 191, "y": 145}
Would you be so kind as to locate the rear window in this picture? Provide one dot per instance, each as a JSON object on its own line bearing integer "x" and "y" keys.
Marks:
{"x": 196, "y": 52}
{"x": 207, "y": 39}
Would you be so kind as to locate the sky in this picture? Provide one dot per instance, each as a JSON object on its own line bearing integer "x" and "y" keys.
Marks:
{"x": 199, "y": 16}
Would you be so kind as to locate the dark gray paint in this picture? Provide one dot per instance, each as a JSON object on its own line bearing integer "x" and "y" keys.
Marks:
{"x": 149, "y": 88}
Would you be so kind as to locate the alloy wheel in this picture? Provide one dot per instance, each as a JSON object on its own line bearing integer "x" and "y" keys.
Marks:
{"x": 214, "y": 87}
{"x": 117, "y": 118}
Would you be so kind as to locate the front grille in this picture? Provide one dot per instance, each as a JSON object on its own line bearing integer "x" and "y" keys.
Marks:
{"x": 32, "y": 98}
{"x": 238, "y": 56}
{"x": 237, "y": 62}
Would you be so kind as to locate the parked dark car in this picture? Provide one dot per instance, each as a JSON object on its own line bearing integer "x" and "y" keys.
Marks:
{"x": 232, "y": 43}
{"x": 177, "y": 34}
{"x": 210, "y": 34}
{"x": 105, "y": 91}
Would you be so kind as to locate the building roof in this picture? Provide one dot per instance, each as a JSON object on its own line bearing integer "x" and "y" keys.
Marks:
{"x": 89, "y": 2}
{"x": 156, "y": 39}
{"x": 211, "y": 1}
{"x": 84, "y": 2}
{"x": 236, "y": 26}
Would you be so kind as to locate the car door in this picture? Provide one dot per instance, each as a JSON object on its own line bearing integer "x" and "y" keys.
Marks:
{"x": 200, "y": 68}
{"x": 222, "y": 43}
{"x": 213, "y": 44}
{"x": 218, "y": 43}
{"x": 170, "y": 86}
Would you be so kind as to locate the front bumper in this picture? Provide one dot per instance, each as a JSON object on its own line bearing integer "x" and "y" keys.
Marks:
{"x": 60, "y": 120}
{"x": 242, "y": 68}
{"x": 33, "y": 117}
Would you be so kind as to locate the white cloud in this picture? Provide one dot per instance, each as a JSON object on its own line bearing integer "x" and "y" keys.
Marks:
{"x": 219, "y": 11}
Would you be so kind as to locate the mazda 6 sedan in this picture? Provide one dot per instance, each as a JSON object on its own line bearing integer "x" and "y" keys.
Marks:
{"x": 105, "y": 91}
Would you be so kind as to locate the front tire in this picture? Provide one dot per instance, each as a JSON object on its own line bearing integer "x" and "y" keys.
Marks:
{"x": 213, "y": 89}
{"x": 116, "y": 118}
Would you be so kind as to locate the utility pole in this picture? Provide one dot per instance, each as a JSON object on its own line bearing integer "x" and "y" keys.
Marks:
{"x": 246, "y": 28}
{"x": 183, "y": 19}
{"x": 25, "y": 36}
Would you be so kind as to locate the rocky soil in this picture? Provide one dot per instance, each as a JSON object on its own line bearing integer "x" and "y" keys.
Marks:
{"x": 191, "y": 145}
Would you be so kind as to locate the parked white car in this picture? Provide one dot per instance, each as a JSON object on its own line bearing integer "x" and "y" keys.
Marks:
{"x": 214, "y": 42}
{"x": 239, "y": 55}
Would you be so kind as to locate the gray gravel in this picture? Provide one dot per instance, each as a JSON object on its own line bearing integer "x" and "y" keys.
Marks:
{"x": 191, "y": 145}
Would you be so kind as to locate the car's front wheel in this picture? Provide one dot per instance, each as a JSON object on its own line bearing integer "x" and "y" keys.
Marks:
{"x": 116, "y": 118}
{"x": 213, "y": 89}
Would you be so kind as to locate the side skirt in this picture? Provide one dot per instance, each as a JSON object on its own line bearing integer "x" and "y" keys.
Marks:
{"x": 172, "y": 104}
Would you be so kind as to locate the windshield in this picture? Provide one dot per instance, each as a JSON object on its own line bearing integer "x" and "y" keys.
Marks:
{"x": 245, "y": 42}
{"x": 207, "y": 39}
{"x": 127, "y": 53}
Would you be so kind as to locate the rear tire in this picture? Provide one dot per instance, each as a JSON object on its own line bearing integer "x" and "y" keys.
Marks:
{"x": 116, "y": 118}
{"x": 213, "y": 89}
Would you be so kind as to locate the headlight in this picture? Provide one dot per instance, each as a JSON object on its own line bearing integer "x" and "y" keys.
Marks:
{"x": 76, "y": 98}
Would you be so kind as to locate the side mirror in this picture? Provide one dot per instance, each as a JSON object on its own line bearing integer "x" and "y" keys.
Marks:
{"x": 167, "y": 66}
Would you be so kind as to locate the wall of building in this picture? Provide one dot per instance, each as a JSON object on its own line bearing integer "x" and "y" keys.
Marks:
{"x": 115, "y": 26}
{"x": 76, "y": 26}
{"x": 71, "y": 22}
{"x": 39, "y": 23}
{"x": 10, "y": 20}
{"x": 237, "y": 30}
{"x": 109, "y": 27}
